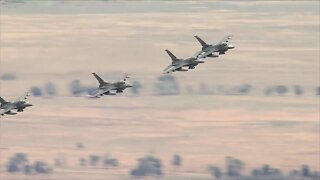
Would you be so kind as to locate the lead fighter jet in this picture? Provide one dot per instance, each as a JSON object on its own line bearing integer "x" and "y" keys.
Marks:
{"x": 208, "y": 50}
{"x": 106, "y": 87}
{"x": 19, "y": 104}
{"x": 178, "y": 64}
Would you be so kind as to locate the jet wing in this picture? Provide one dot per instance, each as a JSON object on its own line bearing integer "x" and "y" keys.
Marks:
{"x": 225, "y": 39}
{"x": 6, "y": 110}
{"x": 172, "y": 68}
{"x": 168, "y": 69}
{"x": 205, "y": 54}
{"x": 196, "y": 55}
{"x": 24, "y": 97}
{"x": 101, "y": 92}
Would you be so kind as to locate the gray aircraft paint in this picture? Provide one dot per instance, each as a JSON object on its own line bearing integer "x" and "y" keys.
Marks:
{"x": 208, "y": 50}
{"x": 105, "y": 88}
{"x": 178, "y": 64}
{"x": 20, "y": 104}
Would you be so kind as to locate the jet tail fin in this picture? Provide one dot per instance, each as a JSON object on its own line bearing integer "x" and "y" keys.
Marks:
{"x": 173, "y": 57}
{"x": 101, "y": 81}
{"x": 2, "y": 101}
{"x": 203, "y": 44}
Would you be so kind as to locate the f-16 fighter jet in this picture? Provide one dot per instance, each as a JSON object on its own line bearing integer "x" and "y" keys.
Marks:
{"x": 105, "y": 88}
{"x": 178, "y": 64}
{"x": 19, "y": 104}
{"x": 208, "y": 50}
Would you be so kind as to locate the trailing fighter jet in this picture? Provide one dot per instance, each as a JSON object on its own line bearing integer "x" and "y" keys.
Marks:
{"x": 178, "y": 64}
{"x": 19, "y": 104}
{"x": 208, "y": 50}
{"x": 106, "y": 87}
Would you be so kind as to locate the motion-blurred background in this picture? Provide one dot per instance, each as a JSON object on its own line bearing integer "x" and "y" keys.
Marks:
{"x": 252, "y": 113}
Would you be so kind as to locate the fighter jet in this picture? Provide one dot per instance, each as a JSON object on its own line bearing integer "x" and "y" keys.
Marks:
{"x": 208, "y": 50}
{"x": 178, "y": 64}
{"x": 19, "y": 104}
{"x": 105, "y": 88}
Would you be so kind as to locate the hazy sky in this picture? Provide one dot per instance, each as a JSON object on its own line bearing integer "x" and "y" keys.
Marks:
{"x": 276, "y": 42}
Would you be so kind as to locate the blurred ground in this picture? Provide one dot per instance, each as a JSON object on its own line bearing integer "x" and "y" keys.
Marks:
{"x": 63, "y": 42}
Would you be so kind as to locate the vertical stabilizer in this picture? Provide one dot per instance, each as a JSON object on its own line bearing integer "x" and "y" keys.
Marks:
{"x": 173, "y": 57}
{"x": 203, "y": 44}
{"x": 100, "y": 80}
{"x": 2, "y": 101}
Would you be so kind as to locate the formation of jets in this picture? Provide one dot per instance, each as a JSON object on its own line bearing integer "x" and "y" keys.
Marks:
{"x": 207, "y": 50}
{"x": 112, "y": 88}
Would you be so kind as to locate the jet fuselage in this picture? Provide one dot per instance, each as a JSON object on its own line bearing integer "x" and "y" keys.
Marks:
{"x": 119, "y": 86}
{"x": 187, "y": 62}
{"x": 16, "y": 105}
{"x": 220, "y": 47}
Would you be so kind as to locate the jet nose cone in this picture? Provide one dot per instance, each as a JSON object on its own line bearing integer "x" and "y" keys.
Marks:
{"x": 230, "y": 46}
{"x": 128, "y": 85}
{"x": 28, "y": 104}
{"x": 200, "y": 61}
